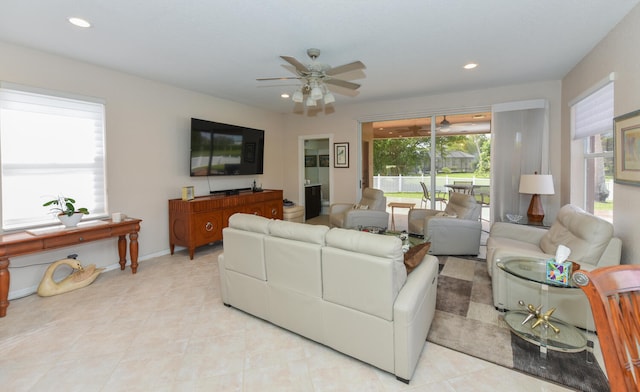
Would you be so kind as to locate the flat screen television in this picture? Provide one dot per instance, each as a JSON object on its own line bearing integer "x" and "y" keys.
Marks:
{"x": 219, "y": 149}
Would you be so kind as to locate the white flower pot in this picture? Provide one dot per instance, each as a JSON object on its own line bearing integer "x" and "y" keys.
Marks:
{"x": 70, "y": 221}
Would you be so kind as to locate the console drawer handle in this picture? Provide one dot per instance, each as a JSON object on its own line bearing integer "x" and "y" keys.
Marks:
{"x": 208, "y": 226}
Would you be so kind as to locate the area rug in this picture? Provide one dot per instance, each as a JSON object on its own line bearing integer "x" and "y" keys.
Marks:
{"x": 466, "y": 321}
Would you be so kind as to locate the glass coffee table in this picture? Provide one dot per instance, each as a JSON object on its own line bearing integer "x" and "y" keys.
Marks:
{"x": 535, "y": 324}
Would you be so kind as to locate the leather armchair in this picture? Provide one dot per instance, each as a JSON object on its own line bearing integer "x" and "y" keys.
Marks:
{"x": 370, "y": 211}
{"x": 454, "y": 231}
{"x": 592, "y": 245}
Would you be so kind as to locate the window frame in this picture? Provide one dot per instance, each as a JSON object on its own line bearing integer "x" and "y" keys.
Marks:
{"x": 82, "y": 175}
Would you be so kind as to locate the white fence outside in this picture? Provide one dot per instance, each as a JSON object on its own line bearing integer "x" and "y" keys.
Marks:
{"x": 401, "y": 183}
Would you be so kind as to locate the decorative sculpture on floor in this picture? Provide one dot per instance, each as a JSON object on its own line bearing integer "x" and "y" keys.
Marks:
{"x": 79, "y": 278}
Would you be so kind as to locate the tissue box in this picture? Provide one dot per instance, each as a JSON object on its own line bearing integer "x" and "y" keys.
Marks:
{"x": 559, "y": 273}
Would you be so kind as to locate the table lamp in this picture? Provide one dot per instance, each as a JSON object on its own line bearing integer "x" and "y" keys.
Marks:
{"x": 536, "y": 185}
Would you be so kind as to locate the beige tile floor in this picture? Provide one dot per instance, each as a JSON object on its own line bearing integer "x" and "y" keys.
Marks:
{"x": 165, "y": 329}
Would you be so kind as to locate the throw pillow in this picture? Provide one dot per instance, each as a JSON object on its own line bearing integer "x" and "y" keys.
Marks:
{"x": 414, "y": 256}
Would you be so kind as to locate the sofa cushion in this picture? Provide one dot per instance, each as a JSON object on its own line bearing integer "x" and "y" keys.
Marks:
{"x": 363, "y": 271}
{"x": 314, "y": 234}
{"x": 374, "y": 199}
{"x": 250, "y": 222}
{"x": 462, "y": 206}
{"x": 585, "y": 234}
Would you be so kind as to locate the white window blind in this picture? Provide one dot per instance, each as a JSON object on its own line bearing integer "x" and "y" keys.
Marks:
{"x": 593, "y": 114}
{"x": 50, "y": 145}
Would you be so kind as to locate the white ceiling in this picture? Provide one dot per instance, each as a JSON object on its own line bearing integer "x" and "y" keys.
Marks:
{"x": 410, "y": 47}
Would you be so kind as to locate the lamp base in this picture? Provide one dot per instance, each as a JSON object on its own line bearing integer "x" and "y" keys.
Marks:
{"x": 535, "y": 213}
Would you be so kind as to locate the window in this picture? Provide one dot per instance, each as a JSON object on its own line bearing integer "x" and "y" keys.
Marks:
{"x": 593, "y": 123}
{"x": 50, "y": 145}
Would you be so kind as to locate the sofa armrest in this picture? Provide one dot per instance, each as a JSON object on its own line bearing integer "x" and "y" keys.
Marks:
{"x": 435, "y": 222}
{"x": 337, "y": 208}
{"x": 413, "y": 312}
{"x": 453, "y": 236}
{"x": 421, "y": 213}
{"x": 224, "y": 293}
{"x": 514, "y": 231}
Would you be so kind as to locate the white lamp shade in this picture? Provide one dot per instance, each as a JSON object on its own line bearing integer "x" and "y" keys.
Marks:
{"x": 316, "y": 93}
{"x": 536, "y": 184}
{"x": 297, "y": 97}
{"x": 311, "y": 101}
{"x": 329, "y": 98}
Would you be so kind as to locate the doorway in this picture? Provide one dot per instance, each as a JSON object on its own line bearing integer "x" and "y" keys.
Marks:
{"x": 436, "y": 150}
{"x": 315, "y": 171}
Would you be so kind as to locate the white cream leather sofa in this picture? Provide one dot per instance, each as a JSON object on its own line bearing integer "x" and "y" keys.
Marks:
{"x": 592, "y": 245}
{"x": 454, "y": 231}
{"x": 346, "y": 289}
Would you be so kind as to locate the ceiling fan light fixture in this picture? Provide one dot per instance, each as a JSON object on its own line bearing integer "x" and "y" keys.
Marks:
{"x": 329, "y": 98}
{"x": 297, "y": 97}
{"x": 311, "y": 101}
{"x": 316, "y": 92}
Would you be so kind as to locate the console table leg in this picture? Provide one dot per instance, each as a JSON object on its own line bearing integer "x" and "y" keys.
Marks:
{"x": 133, "y": 251}
{"x": 122, "y": 251}
{"x": 4, "y": 285}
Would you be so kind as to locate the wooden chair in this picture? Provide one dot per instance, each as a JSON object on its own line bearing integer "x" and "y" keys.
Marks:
{"x": 614, "y": 296}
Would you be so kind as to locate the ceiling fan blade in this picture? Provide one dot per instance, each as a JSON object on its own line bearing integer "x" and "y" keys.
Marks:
{"x": 281, "y": 78}
{"x": 346, "y": 68}
{"x": 298, "y": 65}
{"x": 342, "y": 83}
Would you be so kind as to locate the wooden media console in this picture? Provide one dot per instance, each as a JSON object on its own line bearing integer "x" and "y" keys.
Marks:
{"x": 200, "y": 221}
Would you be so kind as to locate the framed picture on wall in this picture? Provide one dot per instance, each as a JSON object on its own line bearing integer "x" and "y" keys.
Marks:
{"x": 310, "y": 160}
{"x": 341, "y": 155}
{"x": 324, "y": 160}
{"x": 626, "y": 140}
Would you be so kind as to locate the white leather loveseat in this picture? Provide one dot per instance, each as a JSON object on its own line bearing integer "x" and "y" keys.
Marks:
{"x": 592, "y": 245}
{"x": 346, "y": 289}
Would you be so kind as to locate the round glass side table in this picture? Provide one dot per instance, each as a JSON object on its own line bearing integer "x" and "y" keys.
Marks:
{"x": 535, "y": 324}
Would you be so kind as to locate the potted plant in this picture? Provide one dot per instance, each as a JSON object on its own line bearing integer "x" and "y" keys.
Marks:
{"x": 66, "y": 211}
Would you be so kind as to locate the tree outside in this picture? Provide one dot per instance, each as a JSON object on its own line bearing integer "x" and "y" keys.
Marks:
{"x": 411, "y": 156}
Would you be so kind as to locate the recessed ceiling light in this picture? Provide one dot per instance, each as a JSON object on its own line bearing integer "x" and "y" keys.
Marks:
{"x": 470, "y": 66}
{"x": 284, "y": 95}
{"x": 79, "y": 22}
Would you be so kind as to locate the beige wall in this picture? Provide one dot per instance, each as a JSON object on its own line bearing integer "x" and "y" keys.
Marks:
{"x": 343, "y": 124}
{"x": 618, "y": 53}
{"x": 147, "y": 148}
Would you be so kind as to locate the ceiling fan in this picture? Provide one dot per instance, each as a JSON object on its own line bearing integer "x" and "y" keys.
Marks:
{"x": 315, "y": 76}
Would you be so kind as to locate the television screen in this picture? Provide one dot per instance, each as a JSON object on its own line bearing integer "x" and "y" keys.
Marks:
{"x": 219, "y": 149}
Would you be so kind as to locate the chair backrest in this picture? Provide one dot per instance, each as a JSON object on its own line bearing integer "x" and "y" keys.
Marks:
{"x": 463, "y": 206}
{"x": 481, "y": 193}
{"x": 614, "y": 296}
{"x": 585, "y": 234}
{"x": 374, "y": 198}
{"x": 425, "y": 191}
